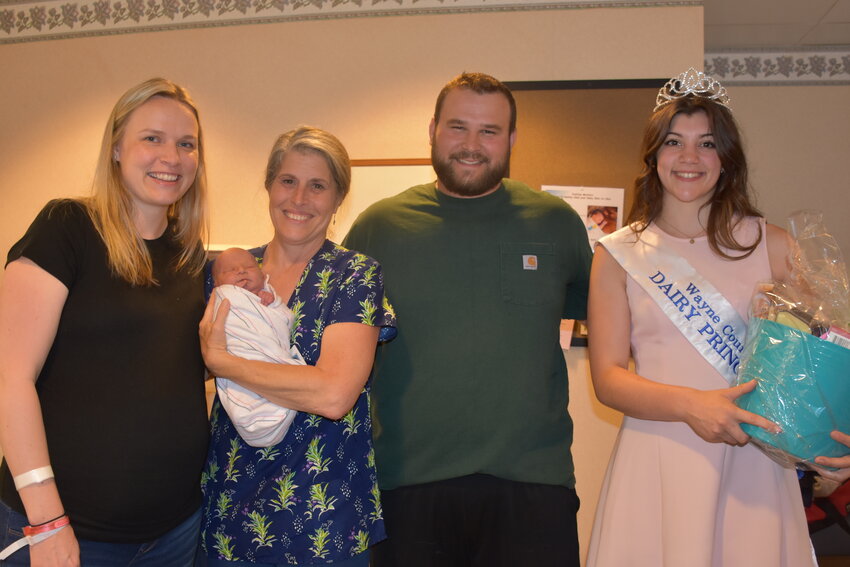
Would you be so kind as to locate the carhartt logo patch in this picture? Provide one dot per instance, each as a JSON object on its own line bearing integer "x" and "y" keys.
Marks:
{"x": 529, "y": 262}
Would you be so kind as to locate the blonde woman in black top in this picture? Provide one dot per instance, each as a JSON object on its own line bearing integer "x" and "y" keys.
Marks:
{"x": 102, "y": 412}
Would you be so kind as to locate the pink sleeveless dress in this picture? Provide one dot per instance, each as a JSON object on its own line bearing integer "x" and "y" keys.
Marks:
{"x": 671, "y": 499}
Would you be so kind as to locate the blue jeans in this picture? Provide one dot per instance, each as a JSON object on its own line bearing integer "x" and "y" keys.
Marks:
{"x": 176, "y": 548}
{"x": 361, "y": 560}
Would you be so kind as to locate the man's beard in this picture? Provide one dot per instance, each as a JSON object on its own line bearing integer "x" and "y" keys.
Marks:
{"x": 490, "y": 176}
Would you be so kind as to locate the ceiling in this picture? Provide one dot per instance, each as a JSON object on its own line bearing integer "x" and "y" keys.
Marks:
{"x": 774, "y": 24}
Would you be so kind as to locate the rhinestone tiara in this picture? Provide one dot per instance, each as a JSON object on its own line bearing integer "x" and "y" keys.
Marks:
{"x": 692, "y": 82}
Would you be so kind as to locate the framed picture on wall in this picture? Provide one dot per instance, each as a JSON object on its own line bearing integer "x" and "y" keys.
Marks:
{"x": 371, "y": 180}
{"x": 375, "y": 179}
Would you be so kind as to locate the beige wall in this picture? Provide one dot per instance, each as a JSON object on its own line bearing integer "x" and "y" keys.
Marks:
{"x": 372, "y": 81}
{"x": 798, "y": 146}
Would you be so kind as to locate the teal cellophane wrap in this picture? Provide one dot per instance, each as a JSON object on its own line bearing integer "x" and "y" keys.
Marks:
{"x": 803, "y": 386}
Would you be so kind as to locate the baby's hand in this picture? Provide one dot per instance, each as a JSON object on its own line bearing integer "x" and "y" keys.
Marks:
{"x": 266, "y": 297}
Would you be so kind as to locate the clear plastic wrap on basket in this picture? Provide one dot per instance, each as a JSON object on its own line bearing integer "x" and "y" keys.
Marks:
{"x": 798, "y": 350}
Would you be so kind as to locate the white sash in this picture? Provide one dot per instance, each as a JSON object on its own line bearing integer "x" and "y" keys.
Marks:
{"x": 695, "y": 307}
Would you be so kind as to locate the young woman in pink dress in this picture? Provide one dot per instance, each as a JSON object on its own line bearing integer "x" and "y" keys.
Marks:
{"x": 672, "y": 289}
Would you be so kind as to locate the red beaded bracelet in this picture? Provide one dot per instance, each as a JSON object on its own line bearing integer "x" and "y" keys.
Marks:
{"x": 63, "y": 521}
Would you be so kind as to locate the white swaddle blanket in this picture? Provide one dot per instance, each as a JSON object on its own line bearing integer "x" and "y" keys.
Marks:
{"x": 256, "y": 332}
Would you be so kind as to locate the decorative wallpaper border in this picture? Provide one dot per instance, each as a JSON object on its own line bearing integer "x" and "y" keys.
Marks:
{"x": 830, "y": 66}
{"x": 39, "y": 20}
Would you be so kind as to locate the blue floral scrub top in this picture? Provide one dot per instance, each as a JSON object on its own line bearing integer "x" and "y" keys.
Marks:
{"x": 312, "y": 498}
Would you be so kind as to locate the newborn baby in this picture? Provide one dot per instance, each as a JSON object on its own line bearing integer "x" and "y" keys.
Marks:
{"x": 258, "y": 328}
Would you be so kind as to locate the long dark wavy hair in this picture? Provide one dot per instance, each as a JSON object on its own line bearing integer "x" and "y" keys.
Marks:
{"x": 731, "y": 198}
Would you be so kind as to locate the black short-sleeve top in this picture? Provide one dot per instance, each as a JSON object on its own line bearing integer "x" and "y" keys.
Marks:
{"x": 122, "y": 388}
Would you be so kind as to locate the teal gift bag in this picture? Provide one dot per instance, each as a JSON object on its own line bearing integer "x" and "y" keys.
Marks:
{"x": 803, "y": 386}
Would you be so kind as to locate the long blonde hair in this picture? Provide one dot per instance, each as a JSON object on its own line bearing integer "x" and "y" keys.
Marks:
{"x": 111, "y": 206}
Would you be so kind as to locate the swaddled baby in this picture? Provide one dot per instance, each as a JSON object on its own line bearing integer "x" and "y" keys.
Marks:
{"x": 258, "y": 328}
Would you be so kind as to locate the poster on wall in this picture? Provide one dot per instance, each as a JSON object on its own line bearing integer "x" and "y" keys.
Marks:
{"x": 600, "y": 207}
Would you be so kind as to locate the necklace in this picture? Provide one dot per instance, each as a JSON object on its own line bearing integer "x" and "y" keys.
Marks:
{"x": 677, "y": 232}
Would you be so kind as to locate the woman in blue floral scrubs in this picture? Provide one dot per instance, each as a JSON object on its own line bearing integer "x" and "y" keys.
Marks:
{"x": 313, "y": 498}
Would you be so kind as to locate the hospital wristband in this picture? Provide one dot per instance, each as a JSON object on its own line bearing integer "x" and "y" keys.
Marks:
{"x": 36, "y": 534}
{"x": 55, "y": 525}
{"x": 33, "y": 477}
{"x": 59, "y": 517}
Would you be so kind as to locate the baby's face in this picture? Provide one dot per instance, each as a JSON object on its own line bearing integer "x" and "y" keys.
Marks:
{"x": 238, "y": 267}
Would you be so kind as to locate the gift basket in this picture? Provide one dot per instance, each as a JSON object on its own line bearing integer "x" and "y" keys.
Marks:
{"x": 798, "y": 351}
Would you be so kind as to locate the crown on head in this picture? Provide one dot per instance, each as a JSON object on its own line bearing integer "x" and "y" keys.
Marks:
{"x": 692, "y": 82}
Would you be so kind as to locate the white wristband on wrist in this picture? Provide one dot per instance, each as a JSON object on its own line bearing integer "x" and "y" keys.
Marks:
{"x": 33, "y": 477}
